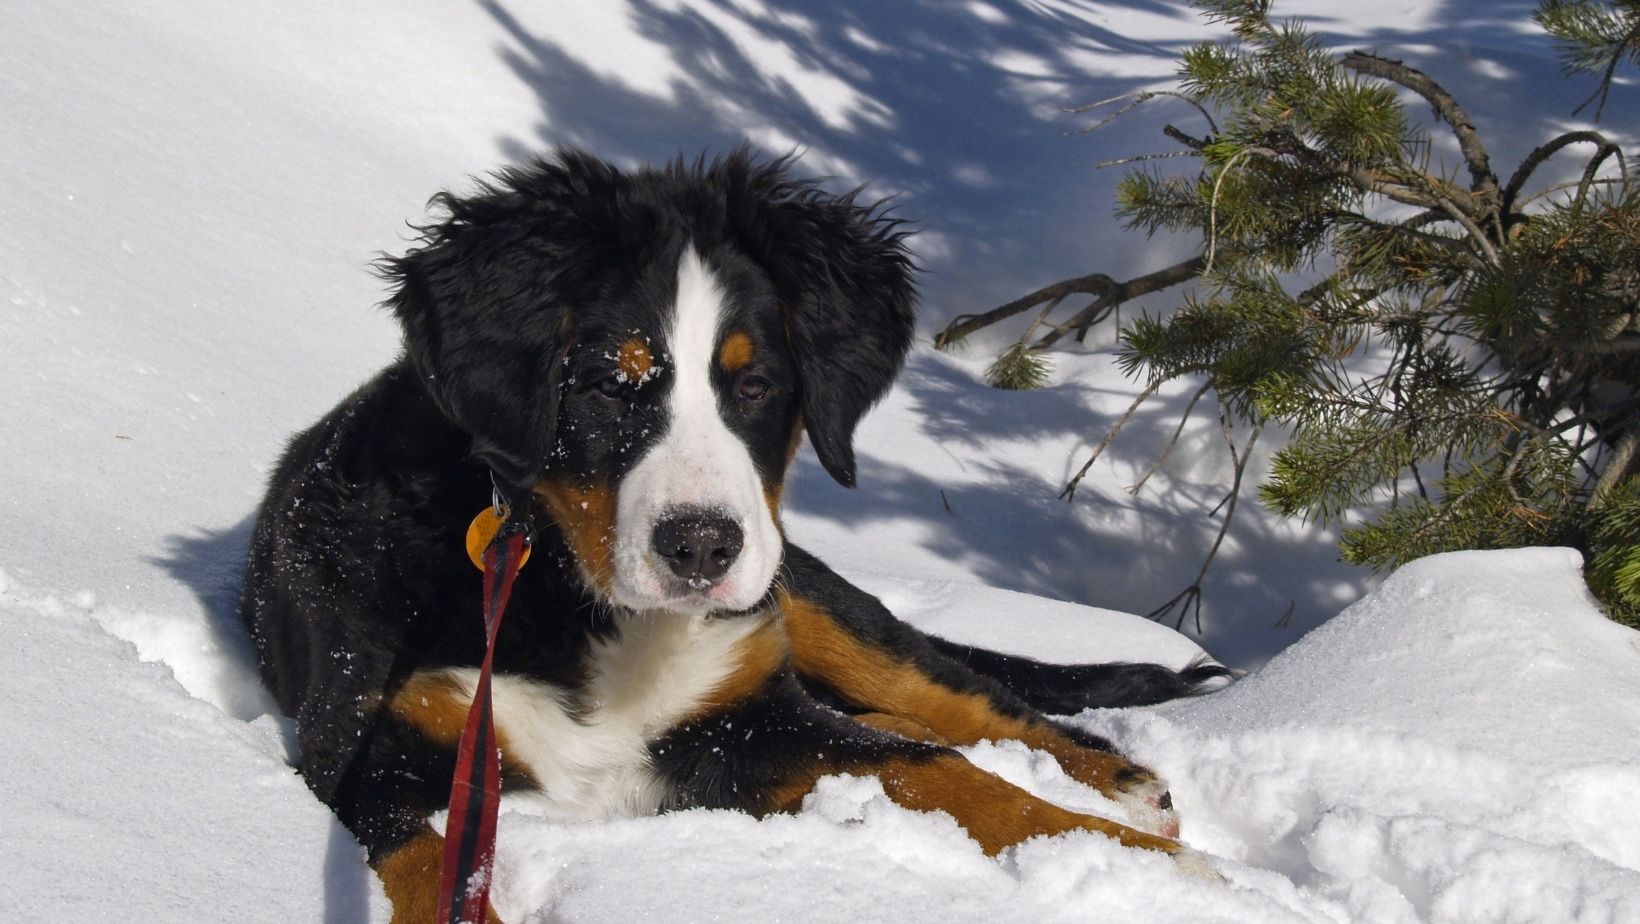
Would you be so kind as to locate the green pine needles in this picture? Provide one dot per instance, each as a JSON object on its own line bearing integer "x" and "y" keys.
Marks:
{"x": 1018, "y": 368}
{"x": 1452, "y": 352}
{"x": 1595, "y": 37}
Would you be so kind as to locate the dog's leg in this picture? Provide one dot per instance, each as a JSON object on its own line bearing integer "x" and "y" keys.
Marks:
{"x": 411, "y": 875}
{"x": 845, "y": 641}
{"x": 1066, "y": 689}
{"x": 762, "y": 751}
{"x": 899, "y": 725}
{"x": 400, "y": 776}
{"x": 995, "y": 813}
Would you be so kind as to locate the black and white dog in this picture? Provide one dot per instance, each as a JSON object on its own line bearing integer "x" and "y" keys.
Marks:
{"x": 635, "y": 356}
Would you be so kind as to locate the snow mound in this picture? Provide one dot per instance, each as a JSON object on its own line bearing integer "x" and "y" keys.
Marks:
{"x": 1456, "y": 747}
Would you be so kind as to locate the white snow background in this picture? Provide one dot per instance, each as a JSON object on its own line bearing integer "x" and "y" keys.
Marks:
{"x": 190, "y": 194}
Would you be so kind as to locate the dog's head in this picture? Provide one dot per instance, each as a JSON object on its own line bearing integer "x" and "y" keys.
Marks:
{"x": 643, "y": 351}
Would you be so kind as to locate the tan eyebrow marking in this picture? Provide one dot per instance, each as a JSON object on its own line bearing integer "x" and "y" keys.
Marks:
{"x": 634, "y": 359}
{"x": 736, "y": 352}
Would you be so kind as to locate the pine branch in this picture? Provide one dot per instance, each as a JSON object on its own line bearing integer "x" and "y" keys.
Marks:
{"x": 1491, "y": 333}
{"x": 1484, "y": 183}
{"x": 1398, "y": 189}
{"x": 1604, "y": 148}
{"x": 1605, "y": 85}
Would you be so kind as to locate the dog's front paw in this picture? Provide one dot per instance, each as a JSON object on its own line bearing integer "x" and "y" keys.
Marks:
{"x": 1141, "y": 792}
{"x": 1197, "y": 864}
{"x": 1147, "y": 800}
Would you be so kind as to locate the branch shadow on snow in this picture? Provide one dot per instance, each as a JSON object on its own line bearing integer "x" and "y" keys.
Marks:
{"x": 956, "y": 109}
{"x": 954, "y": 112}
{"x": 1003, "y": 521}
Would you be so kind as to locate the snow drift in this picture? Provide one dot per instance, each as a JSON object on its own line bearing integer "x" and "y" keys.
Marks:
{"x": 1458, "y": 746}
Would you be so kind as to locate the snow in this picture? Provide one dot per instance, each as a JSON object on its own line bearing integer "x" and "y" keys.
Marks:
{"x": 1449, "y": 748}
{"x": 132, "y": 799}
{"x": 192, "y": 194}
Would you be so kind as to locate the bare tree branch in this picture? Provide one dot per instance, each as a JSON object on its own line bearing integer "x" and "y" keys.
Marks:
{"x": 1136, "y": 99}
{"x": 1482, "y": 243}
{"x": 1534, "y": 160}
{"x": 1618, "y": 468}
{"x": 1484, "y": 183}
{"x": 1177, "y": 432}
{"x": 1191, "y": 596}
{"x": 1069, "y": 493}
{"x": 1141, "y": 158}
{"x": 1123, "y": 292}
{"x": 1095, "y": 284}
{"x": 1106, "y": 291}
{"x": 1580, "y": 185}
{"x": 1195, "y": 144}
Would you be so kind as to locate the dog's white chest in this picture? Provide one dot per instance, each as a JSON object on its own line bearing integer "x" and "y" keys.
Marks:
{"x": 588, "y": 749}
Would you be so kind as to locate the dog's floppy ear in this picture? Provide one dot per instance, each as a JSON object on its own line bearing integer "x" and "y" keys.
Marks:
{"x": 845, "y": 280}
{"x": 481, "y": 301}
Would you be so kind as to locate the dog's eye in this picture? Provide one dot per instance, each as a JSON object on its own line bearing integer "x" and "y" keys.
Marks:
{"x": 753, "y": 388}
{"x": 612, "y": 386}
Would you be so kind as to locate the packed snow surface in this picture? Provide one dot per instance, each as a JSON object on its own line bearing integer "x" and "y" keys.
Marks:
{"x": 192, "y": 192}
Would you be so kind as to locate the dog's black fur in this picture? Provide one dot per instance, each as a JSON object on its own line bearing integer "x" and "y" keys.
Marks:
{"x": 514, "y": 305}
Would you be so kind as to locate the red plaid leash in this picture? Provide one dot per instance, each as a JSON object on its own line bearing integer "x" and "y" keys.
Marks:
{"x": 475, "y": 792}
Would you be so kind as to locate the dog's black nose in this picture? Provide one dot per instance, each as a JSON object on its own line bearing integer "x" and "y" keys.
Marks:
{"x": 698, "y": 546}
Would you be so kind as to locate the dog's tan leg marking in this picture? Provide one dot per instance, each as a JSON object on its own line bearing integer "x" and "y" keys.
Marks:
{"x": 899, "y": 725}
{"x": 995, "y": 813}
{"x": 433, "y": 704}
{"x": 411, "y": 876}
{"x": 869, "y": 677}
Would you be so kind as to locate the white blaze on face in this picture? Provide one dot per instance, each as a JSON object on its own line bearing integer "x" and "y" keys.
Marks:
{"x": 699, "y": 463}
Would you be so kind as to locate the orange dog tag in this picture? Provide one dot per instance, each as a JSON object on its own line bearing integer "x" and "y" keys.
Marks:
{"x": 481, "y": 531}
